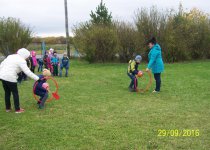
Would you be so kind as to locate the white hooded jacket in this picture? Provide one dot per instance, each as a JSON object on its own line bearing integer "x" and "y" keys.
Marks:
{"x": 14, "y": 64}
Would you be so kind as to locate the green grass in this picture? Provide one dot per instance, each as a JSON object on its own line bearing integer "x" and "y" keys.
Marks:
{"x": 59, "y": 48}
{"x": 96, "y": 111}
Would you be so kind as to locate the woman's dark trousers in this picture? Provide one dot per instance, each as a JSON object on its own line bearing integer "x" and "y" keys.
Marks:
{"x": 10, "y": 87}
{"x": 157, "y": 77}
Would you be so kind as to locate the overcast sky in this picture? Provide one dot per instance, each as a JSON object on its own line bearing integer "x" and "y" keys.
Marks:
{"x": 46, "y": 17}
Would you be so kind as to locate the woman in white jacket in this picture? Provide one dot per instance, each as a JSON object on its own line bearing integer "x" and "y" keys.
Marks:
{"x": 9, "y": 70}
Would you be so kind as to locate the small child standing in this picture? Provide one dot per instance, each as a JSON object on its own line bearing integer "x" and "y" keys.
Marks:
{"x": 42, "y": 88}
{"x": 47, "y": 62}
{"x": 132, "y": 72}
{"x": 41, "y": 63}
{"x": 33, "y": 61}
{"x": 64, "y": 64}
{"x": 55, "y": 63}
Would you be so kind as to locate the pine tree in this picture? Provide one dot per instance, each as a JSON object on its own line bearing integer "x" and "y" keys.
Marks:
{"x": 101, "y": 15}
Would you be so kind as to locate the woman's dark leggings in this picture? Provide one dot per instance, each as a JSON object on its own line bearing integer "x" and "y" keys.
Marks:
{"x": 157, "y": 77}
{"x": 10, "y": 87}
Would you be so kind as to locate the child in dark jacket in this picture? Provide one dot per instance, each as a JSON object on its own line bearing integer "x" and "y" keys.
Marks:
{"x": 132, "y": 72}
{"x": 41, "y": 63}
{"x": 64, "y": 64}
{"x": 33, "y": 61}
{"x": 45, "y": 61}
{"x": 41, "y": 88}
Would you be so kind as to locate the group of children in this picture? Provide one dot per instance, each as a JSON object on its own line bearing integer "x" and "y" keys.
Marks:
{"x": 17, "y": 67}
{"x": 50, "y": 61}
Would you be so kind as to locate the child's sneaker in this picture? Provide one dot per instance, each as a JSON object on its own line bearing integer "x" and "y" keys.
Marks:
{"x": 155, "y": 91}
{"x": 41, "y": 107}
{"x": 19, "y": 111}
{"x": 131, "y": 89}
{"x": 8, "y": 110}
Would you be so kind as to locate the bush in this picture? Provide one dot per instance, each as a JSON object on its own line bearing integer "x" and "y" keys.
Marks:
{"x": 13, "y": 35}
{"x": 97, "y": 42}
{"x": 182, "y": 35}
{"x": 127, "y": 37}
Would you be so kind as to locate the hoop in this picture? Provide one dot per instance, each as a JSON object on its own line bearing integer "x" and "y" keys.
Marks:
{"x": 45, "y": 78}
{"x": 149, "y": 83}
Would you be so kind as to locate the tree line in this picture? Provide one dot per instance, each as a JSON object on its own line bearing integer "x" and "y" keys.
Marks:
{"x": 183, "y": 35}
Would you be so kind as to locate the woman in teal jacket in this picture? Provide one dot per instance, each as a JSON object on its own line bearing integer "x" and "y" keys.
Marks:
{"x": 155, "y": 62}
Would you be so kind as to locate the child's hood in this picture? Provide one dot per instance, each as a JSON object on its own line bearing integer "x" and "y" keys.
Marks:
{"x": 33, "y": 53}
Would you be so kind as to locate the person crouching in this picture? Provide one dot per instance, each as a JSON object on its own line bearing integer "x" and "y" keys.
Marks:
{"x": 41, "y": 88}
{"x": 132, "y": 72}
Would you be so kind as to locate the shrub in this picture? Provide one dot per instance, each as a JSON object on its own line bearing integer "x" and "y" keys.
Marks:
{"x": 13, "y": 35}
{"x": 98, "y": 43}
{"x": 127, "y": 37}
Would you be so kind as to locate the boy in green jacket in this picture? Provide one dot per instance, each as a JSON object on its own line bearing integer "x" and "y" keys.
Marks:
{"x": 132, "y": 72}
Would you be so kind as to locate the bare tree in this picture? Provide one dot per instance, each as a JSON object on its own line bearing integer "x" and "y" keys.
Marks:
{"x": 67, "y": 28}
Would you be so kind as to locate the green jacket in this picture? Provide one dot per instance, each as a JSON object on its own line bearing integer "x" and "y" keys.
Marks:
{"x": 133, "y": 67}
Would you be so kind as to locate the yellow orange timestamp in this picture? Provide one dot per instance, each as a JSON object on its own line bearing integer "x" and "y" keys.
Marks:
{"x": 178, "y": 133}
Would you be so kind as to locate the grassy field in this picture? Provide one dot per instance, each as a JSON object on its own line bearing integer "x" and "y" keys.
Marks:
{"x": 59, "y": 48}
{"x": 96, "y": 111}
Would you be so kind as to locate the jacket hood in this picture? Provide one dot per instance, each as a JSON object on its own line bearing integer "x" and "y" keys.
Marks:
{"x": 157, "y": 47}
{"x": 33, "y": 53}
{"x": 24, "y": 53}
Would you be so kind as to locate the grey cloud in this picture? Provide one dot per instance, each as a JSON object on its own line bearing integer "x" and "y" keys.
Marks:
{"x": 46, "y": 17}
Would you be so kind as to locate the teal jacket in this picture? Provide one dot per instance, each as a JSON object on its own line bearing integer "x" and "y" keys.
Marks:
{"x": 55, "y": 60}
{"x": 155, "y": 59}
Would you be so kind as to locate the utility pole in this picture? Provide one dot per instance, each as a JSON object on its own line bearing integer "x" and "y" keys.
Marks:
{"x": 67, "y": 28}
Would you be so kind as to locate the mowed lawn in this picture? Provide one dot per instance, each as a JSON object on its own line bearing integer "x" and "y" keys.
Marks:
{"x": 96, "y": 111}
